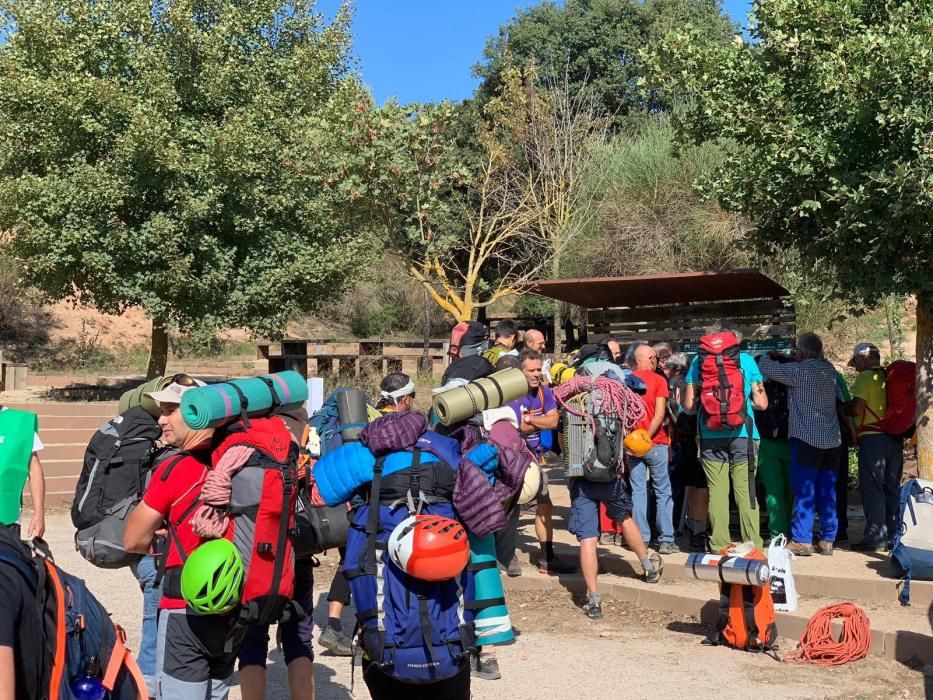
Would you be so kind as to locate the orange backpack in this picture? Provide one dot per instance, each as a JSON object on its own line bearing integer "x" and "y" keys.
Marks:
{"x": 746, "y": 614}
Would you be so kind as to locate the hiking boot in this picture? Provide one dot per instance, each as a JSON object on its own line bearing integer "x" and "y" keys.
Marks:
{"x": 485, "y": 667}
{"x": 800, "y": 549}
{"x": 337, "y": 643}
{"x": 514, "y": 569}
{"x": 869, "y": 546}
{"x": 556, "y": 567}
{"x": 592, "y": 610}
{"x": 668, "y": 548}
{"x": 824, "y": 547}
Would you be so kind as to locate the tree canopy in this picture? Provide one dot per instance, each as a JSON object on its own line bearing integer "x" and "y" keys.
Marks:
{"x": 596, "y": 45}
{"x": 157, "y": 155}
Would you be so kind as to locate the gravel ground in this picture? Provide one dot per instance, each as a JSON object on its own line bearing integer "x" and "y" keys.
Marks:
{"x": 558, "y": 653}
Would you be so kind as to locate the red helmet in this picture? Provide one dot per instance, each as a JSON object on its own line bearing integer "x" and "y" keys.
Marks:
{"x": 429, "y": 547}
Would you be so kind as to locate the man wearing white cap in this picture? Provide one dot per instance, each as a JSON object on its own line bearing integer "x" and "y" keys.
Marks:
{"x": 880, "y": 456}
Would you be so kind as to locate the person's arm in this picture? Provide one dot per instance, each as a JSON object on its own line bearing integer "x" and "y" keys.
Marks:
{"x": 759, "y": 397}
{"x": 548, "y": 421}
{"x": 856, "y": 407}
{"x": 141, "y": 528}
{"x": 859, "y": 403}
{"x": 783, "y": 372}
{"x": 37, "y": 494}
{"x": 845, "y": 423}
{"x": 690, "y": 399}
{"x": 7, "y": 674}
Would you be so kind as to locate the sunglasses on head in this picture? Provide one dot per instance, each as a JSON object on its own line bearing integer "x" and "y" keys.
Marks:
{"x": 184, "y": 380}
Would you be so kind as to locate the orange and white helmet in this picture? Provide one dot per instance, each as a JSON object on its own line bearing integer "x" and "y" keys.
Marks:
{"x": 638, "y": 442}
{"x": 429, "y": 547}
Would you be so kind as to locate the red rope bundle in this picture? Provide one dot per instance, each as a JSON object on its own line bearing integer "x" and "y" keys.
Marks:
{"x": 817, "y": 645}
{"x": 210, "y": 520}
{"x": 617, "y": 399}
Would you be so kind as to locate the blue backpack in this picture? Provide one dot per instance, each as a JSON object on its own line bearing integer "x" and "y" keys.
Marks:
{"x": 76, "y": 628}
{"x": 326, "y": 421}
{"x": 416, "y": 631}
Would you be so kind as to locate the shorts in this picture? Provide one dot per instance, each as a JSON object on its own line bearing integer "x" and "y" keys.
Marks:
{"x": 296, "y": 634}
{"x": 585, "y": 497}
{"x": 689, "y": 468}
{"x": 195, "y": 654}
{"x": 384, "y": 687}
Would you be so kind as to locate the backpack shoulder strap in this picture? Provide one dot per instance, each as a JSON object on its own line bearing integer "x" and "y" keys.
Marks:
{"x": 28, "y": 573}
{"x": 121, "y": 658}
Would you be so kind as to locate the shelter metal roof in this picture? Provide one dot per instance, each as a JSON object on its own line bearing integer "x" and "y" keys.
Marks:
{"x": 654, "y": 290}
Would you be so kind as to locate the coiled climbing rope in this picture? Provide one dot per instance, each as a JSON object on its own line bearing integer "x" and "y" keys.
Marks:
{"x": 817, "y": 644}
{"x": 617, "y": 399}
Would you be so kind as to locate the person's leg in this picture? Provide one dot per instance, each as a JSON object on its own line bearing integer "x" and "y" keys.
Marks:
{"x": 871, "y": 468}
{"x": 146, "y": 572}
{"x": 588, "y": 563}
{"x": 332, "y": 637}
{"x": 548, "y": 563}
{"x": 584, "y": 523}
{"x": 826, "y": 495}
{"x": 253, "y": 682}
{"x": 638, "y": 481}
{"x": 656, "y": 459}
{"x": 803, "y": 476}
{"x": 505, "y": 543}
{"x": 772, "y": 472}
{"x": 252, "y": 659}
{"x": 300, "y": 679}
{"x": 716, "y": 467}
{"x": 842, "y": 494}
{"x": 742, "y": 471}
{"x": 297, "y": 634}
{"x": 893, "y": 471}
{"x": 185, "y": 670}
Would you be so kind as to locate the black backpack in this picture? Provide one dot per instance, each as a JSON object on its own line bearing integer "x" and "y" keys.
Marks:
{"x": 772, "y": 422}
{"x": 117, "y": 464}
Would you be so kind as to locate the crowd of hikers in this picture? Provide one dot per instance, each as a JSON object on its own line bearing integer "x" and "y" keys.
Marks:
{"x": 220, "y": 524}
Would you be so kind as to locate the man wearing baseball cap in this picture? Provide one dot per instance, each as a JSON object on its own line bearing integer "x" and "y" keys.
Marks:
{"x": 195, "y": 654}
{"x": 880, "y": 456}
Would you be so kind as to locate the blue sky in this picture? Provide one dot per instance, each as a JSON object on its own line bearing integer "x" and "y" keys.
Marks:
{"x": 423, "y": 50}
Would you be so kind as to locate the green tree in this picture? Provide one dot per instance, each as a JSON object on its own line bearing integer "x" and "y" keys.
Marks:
{"x": 827, "y": 118}
{"x": 157, "y": 155}
{"x": 595, "y": 45}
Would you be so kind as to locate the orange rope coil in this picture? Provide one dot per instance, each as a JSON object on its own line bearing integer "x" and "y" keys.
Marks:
{"x": 817, "y": 645}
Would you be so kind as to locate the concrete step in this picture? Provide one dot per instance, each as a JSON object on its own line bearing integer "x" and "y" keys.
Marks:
{"x": 104, "y": 409}
{"x": 86, "y": 424}
{"x": 902, "y": 634}
{"x": 70, "y": 451}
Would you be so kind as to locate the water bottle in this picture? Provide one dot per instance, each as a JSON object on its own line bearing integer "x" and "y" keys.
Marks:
{"x": 88, "y": 685}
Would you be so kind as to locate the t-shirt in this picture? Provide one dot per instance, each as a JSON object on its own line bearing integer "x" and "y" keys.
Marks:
{"x": 539, "y": 403}
{"x": 172, "y": 498}
{"x": 21, "y": 630}
{"x": 656, "y": 385}
{"x": 37, "y": 445}
{"x": 750, "y": 375}
{"x": 871, "y": 386}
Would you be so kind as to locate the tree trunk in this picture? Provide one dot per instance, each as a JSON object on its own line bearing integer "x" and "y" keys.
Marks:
{"x": 425, "y": 366}
{"x": 158, "y": 350}
{"x": 925, "y": 387}
{"x": 558, "y": 321}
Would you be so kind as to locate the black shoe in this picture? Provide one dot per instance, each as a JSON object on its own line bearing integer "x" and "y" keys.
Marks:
{"x": 699, "y": 543}
{"x": 555, "y": 567}
{"x": 864, "y": 546}
{"x": 594, "y": 611}
{"x": 337, "y": 643}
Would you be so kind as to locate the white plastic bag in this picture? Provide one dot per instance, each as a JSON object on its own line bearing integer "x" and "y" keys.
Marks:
{"x": 783, "y": 590}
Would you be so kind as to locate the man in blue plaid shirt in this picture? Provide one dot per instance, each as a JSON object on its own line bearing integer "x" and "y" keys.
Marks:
{"x": 815, "y": 441}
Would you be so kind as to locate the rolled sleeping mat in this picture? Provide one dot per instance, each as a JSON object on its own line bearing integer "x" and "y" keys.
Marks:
{"x": 211, "y": 406}
{"x": 137, "y": 396}
{"x": 351, "y": 411}
{"x": 340, "y": 473}
{"x": 493, "y": 625}
{"x": 725, "y": 569}
{"x": 480, "y": 395}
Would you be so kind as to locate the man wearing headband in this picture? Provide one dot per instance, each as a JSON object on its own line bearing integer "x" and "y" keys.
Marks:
{"x": 396, "y": 394}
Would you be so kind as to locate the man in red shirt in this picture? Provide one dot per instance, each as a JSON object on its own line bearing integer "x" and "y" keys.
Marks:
{"x": 656, "y": 461}
{"x": 195, "y": 653}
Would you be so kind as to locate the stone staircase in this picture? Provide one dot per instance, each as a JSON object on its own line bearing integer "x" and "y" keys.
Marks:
{"x": 65, "y": 429}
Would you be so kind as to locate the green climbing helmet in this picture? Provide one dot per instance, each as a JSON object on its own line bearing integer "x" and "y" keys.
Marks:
{"x": 211, "y": 578}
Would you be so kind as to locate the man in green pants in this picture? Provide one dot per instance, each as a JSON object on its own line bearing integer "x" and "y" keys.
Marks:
{"x": 19, "y": 461}
{"x": 728, "y": 455}
{"x": 774, "y": 457}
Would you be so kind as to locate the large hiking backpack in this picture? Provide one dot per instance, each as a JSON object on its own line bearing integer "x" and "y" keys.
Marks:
{"x": 773, "y": 421}
{"x": 468, "y": 338}
{"x": 118, "y": 462}
{"x": 900, "y": 418}
{"x": 722, "y": 385}
{"x": 327, "y": 430}
{"x": 415, "y": 631}
{"x": 592, "y": 439}
{"x": 75, "y": 627}
{"x": 261, "y": 503}
{"x": 318, "y": 527}
{"x": 746, "y": 614}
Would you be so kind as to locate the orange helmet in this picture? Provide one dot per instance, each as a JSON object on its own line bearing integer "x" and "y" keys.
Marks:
{"x": 638, "y": 442}
{"x": 429, "y": 547}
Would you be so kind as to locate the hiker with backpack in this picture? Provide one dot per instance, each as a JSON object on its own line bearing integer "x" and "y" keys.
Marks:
{"x": 396, "y": 394}
{"x": 884, "y": 408}
{"x": 505, "y": 342}
{"x": 774, "y": 455}
{"x": 19, "y": 463}
{"x": 815, "y": 441}
{"x": 196, "y": 653}
{"x": 725, "y": 386}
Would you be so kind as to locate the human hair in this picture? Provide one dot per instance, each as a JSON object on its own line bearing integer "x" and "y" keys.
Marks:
{"x": 630, "y": 353}
{"x": 392, "y": 382}
{"x": 729, "y": 327}
{"x": 658, "y": 347}
{"x": 810, "y": 345}
{"x": 508, "y": 362}
{"x": 529, "y": 355}
{"x": 678, "y": 362}
{"x": 506, "y": 328}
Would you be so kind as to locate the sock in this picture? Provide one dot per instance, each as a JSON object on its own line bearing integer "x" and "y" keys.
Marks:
{"x": 593, "y": 598}
{"x": 547, "y": 550}
{"x": 335, "y": 624}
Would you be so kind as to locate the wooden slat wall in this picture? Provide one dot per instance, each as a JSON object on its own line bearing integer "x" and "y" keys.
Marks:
{"x": 685, "y": 324}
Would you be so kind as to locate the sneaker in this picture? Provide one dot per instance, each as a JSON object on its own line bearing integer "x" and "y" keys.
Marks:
{"x": 869, "y": 546}
{"x": 800, "y": 549}
{"x": 514, "y": 569}
{"x": 594, "y": 611}
{"x": 653, "y": 575}
{"x": 668, "y": 548}
{"x": 337, "y": 643}
{"x": 485, "y": 667}
{"x": 824, "y": 547}
{"x": 699, "y": 542}
{"x": 555, "y": 567}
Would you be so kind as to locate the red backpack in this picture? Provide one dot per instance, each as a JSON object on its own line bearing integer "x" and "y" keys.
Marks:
{"x": 746, "y": 614}
{"x": 722, "y": 386}
{"x": 260, "y": 497}
{"x": 900, "y": 388}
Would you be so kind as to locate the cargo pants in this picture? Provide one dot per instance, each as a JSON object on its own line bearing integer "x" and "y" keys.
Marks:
{"x": 727, "y": 461}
